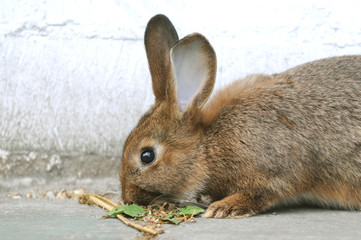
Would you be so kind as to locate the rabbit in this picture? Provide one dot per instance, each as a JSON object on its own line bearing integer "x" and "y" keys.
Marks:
{"x": 256, "y": 143}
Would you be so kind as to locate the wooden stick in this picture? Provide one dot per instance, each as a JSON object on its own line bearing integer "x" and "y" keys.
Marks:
{"x": 109, "y": 205}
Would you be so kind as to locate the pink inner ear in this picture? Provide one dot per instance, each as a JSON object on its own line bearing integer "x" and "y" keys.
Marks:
{"x": 190, "y": 67}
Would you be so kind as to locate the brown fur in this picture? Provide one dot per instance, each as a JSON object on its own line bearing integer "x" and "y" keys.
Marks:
{"x": 228, "y": 94}
{"x": 257, "y": 142}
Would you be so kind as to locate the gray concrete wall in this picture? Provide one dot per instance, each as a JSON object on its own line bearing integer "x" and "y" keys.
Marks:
{"x": 74, "y": 77}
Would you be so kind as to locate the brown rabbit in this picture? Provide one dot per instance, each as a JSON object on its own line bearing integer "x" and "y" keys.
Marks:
{"x": 260, "y": 141}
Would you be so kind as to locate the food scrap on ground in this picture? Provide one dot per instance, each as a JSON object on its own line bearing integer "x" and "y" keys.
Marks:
{"x": 152, "y": 216}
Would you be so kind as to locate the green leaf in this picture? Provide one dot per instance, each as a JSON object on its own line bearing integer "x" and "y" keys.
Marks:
{"x": 170, "y": 214}
{"x": 170, "y": 218}
{"x": 134, "y": 210}
{"x": 131, "y": 210}
{"x": 190, "y": 210}
{"x": 116, "y": 211}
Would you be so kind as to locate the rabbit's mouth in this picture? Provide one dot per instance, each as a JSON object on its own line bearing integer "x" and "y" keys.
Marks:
{"x": 202, "y": 201}
{"x": 133, "y": 194}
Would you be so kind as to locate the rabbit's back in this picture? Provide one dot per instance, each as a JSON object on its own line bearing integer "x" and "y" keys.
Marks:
{"x": 298, "y": 131}
{"x": 334, "y": 68}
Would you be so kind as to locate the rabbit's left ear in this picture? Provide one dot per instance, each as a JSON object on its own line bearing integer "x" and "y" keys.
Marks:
{"x": 194, "y": 67}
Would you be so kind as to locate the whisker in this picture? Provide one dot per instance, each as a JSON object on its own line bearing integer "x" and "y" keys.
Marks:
{"x": 187, "y": 202}
{"x": 160, "y": 196}
{"x": 179, "y": 202}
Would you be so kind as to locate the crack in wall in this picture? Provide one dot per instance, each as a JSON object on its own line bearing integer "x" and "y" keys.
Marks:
{"x": 69, "y": 29}
{"x": 29, "y": 26}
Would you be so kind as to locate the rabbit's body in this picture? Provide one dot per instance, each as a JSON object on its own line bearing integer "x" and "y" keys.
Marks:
{"x": 295, "y": 133}
{"x": 259, "y": 141}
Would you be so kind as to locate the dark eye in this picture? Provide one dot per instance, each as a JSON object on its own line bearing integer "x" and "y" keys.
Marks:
{"x": 147, "y": 156}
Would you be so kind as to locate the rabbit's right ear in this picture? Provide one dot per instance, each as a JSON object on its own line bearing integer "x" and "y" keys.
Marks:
{"x": 195, "y": 65}
{"x": 160, "y": 35}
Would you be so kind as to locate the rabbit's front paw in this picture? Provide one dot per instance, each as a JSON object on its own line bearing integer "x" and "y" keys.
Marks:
{"x": 243, "y": 204}
{"x": 225, "y": 208}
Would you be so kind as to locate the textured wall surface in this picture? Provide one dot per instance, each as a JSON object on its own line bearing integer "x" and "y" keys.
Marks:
{"x": 74, "y": 77}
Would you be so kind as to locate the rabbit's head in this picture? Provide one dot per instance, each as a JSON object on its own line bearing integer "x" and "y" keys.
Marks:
{"x": 163, "y": 156}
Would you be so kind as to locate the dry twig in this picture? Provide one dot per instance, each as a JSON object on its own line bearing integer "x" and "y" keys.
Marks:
{"x": 109, "y": 205}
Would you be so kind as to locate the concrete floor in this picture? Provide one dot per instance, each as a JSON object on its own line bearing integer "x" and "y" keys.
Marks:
{"x": 67, "y": 219}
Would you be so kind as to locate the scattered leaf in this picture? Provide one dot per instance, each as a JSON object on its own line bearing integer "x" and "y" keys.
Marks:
{"x": 131, "y": 210}
{"x": 170, "y": 218}
{"x": 153, "y": 215}
{"x": 190, "y": 210}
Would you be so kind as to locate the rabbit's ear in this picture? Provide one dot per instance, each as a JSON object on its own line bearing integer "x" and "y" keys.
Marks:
{"x": 194, "y": 65}
{"x": 160, "y": 36}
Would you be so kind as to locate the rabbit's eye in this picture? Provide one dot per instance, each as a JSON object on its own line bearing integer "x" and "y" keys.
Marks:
{"x": 147, "y": 155}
